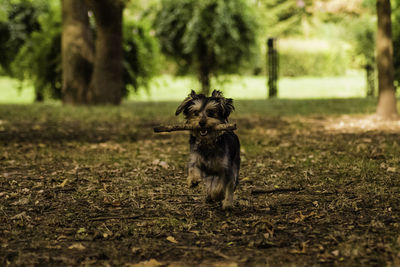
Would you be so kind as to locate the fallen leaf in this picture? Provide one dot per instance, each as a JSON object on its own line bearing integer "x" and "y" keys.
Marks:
{"x": 21, "y": 201}
{"x": 63, "y": 183}
{"x": 21, "y": 215}
{"x": 391, "y": 169}
{"x": 335, "y": 253}
{"x": 172, "y": 240}
{"x": 81, "y": 230}
{"x": 246, "y": 179}
{"x": 149, "y": 263}
{"x": 77, "y": 246}
{"x": 197, "y": 233}
{"x": 135, "y": 250}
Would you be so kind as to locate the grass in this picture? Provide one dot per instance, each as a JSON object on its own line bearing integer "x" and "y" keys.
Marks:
{"x": 12, "y": 92}
{"x": 94, "y": 186}
{"x": 168, "y": 88}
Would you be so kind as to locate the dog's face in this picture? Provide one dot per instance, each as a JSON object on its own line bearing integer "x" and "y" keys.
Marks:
{"x": 205, "y": 112}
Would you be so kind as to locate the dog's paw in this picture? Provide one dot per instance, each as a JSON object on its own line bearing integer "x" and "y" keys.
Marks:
{"x": 227, "y": 204}
{"x": 193, "y": 181}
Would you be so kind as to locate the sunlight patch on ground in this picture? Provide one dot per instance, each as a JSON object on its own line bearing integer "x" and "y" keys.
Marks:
{"x": 359, "y": 123}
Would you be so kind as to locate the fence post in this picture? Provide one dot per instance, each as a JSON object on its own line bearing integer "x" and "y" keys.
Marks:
{"x": 272, "y": 66}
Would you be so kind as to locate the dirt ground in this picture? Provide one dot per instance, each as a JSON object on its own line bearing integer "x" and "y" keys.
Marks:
{"x": 313, "y": 191}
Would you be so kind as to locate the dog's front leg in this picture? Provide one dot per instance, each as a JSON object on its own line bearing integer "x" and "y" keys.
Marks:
{"x": 231, "y": 177}
{"x": 227, "y": 203}
{"x": 194, "y": 175}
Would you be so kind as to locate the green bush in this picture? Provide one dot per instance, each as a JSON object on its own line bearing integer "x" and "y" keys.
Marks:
{"x": 141, "y": 55}
{"x": 296, "y": 61}
{"x": 18, "y": 19}
{"x": 39, "y": 58}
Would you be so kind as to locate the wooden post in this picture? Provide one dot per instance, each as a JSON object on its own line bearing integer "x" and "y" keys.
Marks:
{"x": 272, "y": 66}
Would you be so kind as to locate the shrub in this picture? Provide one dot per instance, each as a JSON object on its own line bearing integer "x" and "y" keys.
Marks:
{"x": 300, "y": 58}
{"x": 39, "y": 58}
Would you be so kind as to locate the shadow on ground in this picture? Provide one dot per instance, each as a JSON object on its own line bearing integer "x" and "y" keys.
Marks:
{"x": 107, "y": 191}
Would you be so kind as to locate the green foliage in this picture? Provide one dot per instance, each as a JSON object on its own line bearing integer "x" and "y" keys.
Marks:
{"x": 283, "y": 17}
{"x": 218, "y": 33}
{"x": 38, "y": 57}
{"x": 141, "y": 54}
{"x": 363, "y": 31}
{"x": 312, "y": 58}
{"x": 18, "y": 19}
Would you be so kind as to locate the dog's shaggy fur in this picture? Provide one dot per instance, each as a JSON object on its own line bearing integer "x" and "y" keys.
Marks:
{"x": 214, "y": 155}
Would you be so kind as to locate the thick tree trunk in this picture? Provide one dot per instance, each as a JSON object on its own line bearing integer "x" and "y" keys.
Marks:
{"x": 387, "y": 98}
{"x": 77, "y": 52}
{"x": 107, "y": 84}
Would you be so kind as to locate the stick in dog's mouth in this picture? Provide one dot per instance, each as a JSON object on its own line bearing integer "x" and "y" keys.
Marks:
{"x": 186, "y": 127}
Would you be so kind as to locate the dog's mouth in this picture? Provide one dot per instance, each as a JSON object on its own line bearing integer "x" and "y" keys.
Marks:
{"x": 203, "y": 132}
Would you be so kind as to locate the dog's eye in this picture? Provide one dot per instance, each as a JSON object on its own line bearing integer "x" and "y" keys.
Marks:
{"x": 210, "y": 113}
{"x": 196, "y": 113}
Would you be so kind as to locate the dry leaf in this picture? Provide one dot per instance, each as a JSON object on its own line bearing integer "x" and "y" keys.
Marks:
{"x": 245, "y": 179}
{"x": 335, "y": 253}
{"x": 21, "y": 201}
{"x": 172, "y": 240}
{"x": 63, "y": 183}
{"x": 149, "y": 263}
{"x": 21, "y": 215}
{"x": 77, "y": 246}
{"x": 391, "y": 169}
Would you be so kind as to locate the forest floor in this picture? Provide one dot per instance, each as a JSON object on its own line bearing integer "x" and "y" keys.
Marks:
{"x": 95, "y": 186}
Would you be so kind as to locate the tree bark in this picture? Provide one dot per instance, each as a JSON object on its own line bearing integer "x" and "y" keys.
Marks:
{"x": 204, "y": 77}
{"x": 205, "y": 66}
{"x": 107, "y": 80}
{"x": 387, "y": 98}
{"x": 77, "y": 52}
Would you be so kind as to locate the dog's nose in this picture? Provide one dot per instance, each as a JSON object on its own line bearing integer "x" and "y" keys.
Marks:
{"x": 202, "y": 123}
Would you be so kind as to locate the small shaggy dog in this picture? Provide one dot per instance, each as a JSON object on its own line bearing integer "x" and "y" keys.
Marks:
{"x": 214, "y": 155}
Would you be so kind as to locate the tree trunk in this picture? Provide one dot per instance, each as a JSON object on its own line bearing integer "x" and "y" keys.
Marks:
{"x": 107, "y": 84}
{"x": 387, "y": 98}
{"x": 77, "y": 52}
{"x": 204, "y": 78}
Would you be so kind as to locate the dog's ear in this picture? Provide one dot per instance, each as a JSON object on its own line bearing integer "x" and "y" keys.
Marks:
{"x": 185, "y": 102}
{"x": 227, "y": 107}
{"x": 217, "y": 93}
{"x": 226, "y": 103}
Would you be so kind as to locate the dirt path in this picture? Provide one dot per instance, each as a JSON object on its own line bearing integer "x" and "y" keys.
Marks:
{"x": 312, "y": 191}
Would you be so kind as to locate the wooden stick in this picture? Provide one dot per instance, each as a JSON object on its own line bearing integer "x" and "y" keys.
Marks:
{"x": 187, "y": 127}
{"x": 276, "y": 190}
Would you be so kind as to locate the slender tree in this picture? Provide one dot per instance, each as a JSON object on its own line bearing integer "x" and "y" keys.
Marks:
{"x": 387, "y": 98}
{"x": 207, "y": 37}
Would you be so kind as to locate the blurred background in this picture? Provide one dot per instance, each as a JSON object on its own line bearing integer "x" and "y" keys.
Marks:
{"x": 323, "y": 48}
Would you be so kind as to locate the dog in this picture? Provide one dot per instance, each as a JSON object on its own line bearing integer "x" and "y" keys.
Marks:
{"x": 214, "y": 155}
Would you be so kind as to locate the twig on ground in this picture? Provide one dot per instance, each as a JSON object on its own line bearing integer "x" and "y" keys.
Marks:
{"x": 187, "y": 127}
{"x": 216, "y": 252}
{"x": 105, "y": 218}
{"x": 276, "y": 190}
